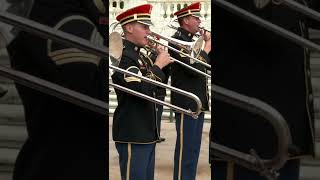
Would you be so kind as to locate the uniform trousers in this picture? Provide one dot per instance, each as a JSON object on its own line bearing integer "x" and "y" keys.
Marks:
{"x": 187, "y": 150}
{"x": 136, "y": 161}
{"x": 221, "y": 170}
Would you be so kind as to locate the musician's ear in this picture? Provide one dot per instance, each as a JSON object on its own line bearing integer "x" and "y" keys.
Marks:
{"x": 128, "y": 28}
{"x": 185, "y": 20}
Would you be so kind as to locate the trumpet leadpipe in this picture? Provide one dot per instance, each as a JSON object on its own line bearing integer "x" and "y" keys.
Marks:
{"x": 204, "y": 29}
{"x": 151, "y": 39}
{"x": 183, "y": 64}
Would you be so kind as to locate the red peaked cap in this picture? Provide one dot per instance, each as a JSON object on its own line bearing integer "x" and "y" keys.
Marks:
{"x": 140, "y": 13}
{"x": 194, "y": 10}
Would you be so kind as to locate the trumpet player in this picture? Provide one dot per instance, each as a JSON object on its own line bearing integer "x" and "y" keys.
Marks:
{"x": 135, "y": 126}
{"x": 189, "y": 130}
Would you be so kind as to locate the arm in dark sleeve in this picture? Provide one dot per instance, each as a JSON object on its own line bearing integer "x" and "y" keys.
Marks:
{"x": 97, "y": 12}
{"x": 78, "y": 69}
{"x": 161, "y": 92}
{"x": 203, "y": 56}
{"x": 135, "y": 83}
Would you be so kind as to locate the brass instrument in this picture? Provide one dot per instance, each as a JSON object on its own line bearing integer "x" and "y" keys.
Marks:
{"x": 170, "y": 25}
{"x": 148, "y": 49}
{"x": 116, "y": 48}
{"x": 192, "y": 48}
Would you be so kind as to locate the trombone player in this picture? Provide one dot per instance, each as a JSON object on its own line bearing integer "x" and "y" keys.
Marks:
{"x": 135, "y": 126}
{"x": 189, "y": 130}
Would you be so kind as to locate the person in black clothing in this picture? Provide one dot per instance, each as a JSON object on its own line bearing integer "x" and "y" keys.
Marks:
{"x": 189, "y": 129}
{"x": 161, "y": 92}
{"x": 64, "y": 141}
{"x": 258, "y": 63}
{"x": 135, "y": 125}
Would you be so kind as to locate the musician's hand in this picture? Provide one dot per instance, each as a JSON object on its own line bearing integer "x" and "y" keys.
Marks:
{"x": 163, "y": 58}
{"x": 207, "y": 41}
{"x": 159, "y": 48}
{"x": 206, "y": 35}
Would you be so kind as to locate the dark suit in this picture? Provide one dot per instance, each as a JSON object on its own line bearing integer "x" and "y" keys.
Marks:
{"x": 64, "y": 141}
{"x": 258, "y": 63}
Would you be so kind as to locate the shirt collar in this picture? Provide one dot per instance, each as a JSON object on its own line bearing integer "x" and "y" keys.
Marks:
{"x": 131, "y": 45}
{"x": 185, "y": 32}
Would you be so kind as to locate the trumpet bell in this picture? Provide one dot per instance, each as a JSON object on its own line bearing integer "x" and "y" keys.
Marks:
{"x": 197, "y": 47}
{"x": 115, "y": 46}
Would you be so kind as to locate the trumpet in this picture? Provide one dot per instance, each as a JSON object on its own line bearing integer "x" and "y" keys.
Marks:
{"x": 193, "y": 49}
{"x": 170, "y": 25}
{"x": 205, "y": 29}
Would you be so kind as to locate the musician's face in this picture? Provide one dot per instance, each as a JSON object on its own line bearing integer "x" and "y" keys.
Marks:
{"x": 193, "y": 23}
{"x": 138, "y": 32}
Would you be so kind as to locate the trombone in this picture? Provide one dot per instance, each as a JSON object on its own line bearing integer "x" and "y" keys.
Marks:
{"x": 115, "y": 52}
{"x": 152, "y": 99}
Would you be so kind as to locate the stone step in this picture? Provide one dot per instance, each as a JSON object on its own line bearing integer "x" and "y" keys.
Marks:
{"x": 13, "y": 133}
{"x": 309, "y": 173}
{"x": 11, "y": 113}
{"x": 5, "y": 175}
{"x": 315, "y": 70}
{"x": 317, "y": 128}
{"x": 8, "y": 155}
{"x": 317, "y": 149}
{"x": 316, "y": 104}
{"x": 310, "y": 169}
{"x": 12, "y": 96}
{"x": 316, "y": 85}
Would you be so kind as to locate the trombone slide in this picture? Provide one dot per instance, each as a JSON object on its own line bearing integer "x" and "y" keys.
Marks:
{"x": 180, "y": 91}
